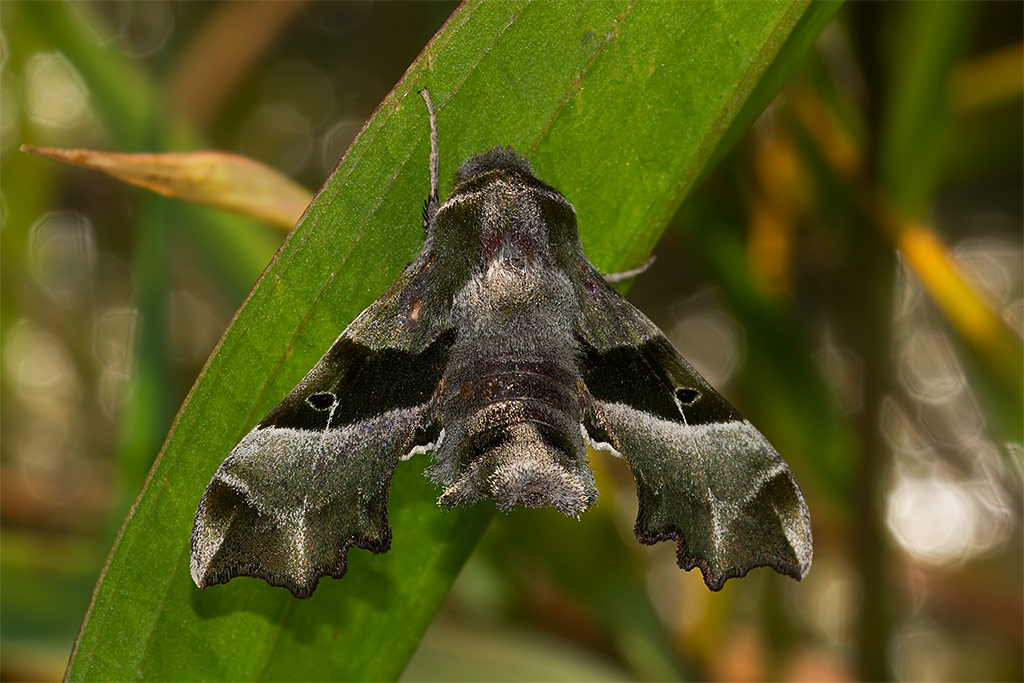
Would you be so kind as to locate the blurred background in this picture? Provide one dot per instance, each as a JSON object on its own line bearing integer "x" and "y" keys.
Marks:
{"x": 850, "y": 276}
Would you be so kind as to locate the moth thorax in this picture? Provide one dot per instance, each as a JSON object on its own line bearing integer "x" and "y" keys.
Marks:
{"x": 504, "y": 285}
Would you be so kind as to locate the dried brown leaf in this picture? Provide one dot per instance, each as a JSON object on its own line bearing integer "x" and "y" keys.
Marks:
{"x": 218, "y": 179}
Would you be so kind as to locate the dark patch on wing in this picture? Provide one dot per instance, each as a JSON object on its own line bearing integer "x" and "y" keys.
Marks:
{"x": 652, "y": 377}
{"x": 366, "y": 382}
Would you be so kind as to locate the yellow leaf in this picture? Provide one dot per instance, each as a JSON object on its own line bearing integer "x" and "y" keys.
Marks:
{"x": 218, "y": 179}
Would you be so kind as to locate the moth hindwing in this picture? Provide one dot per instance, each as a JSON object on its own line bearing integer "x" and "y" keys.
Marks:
{"x": 502, "y": 351}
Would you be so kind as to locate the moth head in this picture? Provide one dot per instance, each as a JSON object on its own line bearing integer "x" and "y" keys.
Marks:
{"x": 500, "y": 211}
{"x": 495, "y": 159}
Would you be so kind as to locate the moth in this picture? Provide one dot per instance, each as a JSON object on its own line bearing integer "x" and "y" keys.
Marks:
{"x": 502, "y": 352}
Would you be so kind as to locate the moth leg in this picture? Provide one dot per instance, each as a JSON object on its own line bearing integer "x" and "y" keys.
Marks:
{"x": 615, "y": 278}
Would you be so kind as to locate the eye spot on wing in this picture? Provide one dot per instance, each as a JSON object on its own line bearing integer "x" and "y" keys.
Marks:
{"x": 687, "y": 397}
{"x": 323, "y": 400}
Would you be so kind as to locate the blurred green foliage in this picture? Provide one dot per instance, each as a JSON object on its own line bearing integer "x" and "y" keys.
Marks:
{"x": 814, "y": 276}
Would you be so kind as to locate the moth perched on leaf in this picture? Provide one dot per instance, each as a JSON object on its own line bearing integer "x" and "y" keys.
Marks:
{"x": 503, "y": 352}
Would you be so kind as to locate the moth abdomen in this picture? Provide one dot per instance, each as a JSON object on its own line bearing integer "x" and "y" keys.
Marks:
{"x": 527, "y": 462}
{"x": 536, "y": 384}
{"x": 515, "y": 426}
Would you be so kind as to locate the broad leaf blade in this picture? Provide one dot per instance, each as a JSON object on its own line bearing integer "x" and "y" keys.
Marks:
{"x": 619, "y": 106}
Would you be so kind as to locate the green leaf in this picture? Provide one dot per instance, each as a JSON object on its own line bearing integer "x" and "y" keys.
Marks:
{"x": 619, "y": 106}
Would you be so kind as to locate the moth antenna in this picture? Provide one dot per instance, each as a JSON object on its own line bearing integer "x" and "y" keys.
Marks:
{"x": 432, "y": 201}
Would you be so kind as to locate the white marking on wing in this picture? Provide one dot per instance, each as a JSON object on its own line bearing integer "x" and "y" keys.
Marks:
{"x": 716, "y": 520}
{"x": 425, "y": 448}
{"x": 679, "y": 404}
{"x": 598, "y": 445}
{"x": 298, "y": 539}
{"x": 330, "y": 419}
